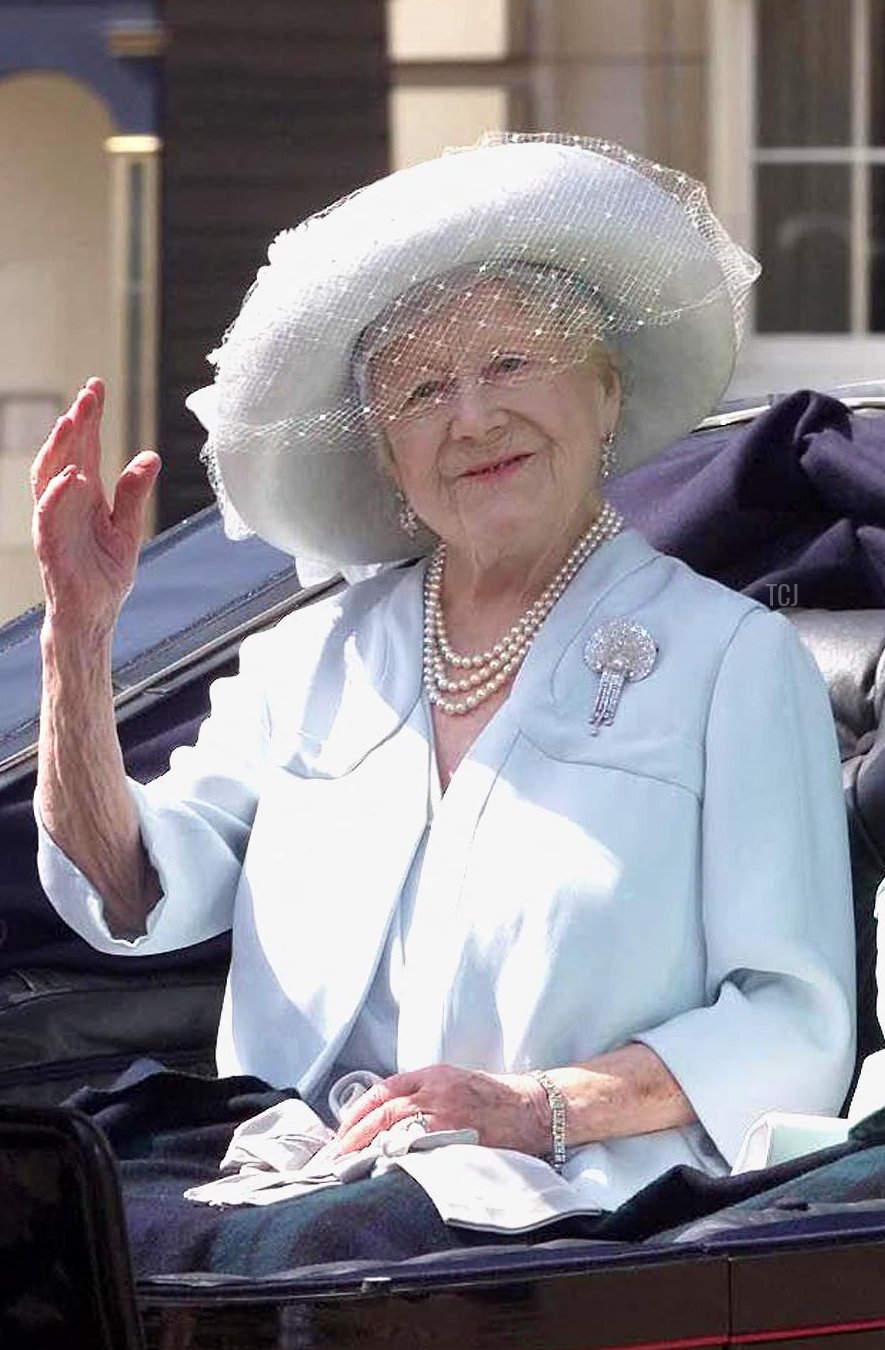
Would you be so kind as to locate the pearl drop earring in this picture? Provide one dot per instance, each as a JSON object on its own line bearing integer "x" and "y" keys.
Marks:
{"x": 608, "y": 457}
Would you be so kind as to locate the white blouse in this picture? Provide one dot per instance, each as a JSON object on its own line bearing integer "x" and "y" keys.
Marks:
{"x": 371, "y": 1043}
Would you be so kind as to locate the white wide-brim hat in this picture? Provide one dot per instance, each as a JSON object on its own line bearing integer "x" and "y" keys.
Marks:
{"x": 290, "y": 449}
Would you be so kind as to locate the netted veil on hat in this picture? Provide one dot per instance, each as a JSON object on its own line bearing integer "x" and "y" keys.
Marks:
{"x": 599, "y": 246}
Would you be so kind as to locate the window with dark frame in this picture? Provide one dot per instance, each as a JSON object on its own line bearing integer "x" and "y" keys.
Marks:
{"x": 819, "y": 166}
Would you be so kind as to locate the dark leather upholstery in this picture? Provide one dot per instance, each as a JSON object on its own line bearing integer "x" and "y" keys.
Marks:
{"x": 849, "y": 648}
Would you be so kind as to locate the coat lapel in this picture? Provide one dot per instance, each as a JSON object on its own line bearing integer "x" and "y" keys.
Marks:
{"x": 342, "y": 813}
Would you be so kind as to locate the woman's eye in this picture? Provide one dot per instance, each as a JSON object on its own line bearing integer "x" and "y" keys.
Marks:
{"x": 425, "y": 392}
{"x": 508, "y": 363}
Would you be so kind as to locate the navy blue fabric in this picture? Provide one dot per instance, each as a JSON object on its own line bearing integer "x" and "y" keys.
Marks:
{"x": 839, "y": 1188}
{"x": 170, "y": 1130}
{"x": 683, "y": 1196}
{"x": 795, "y": 500}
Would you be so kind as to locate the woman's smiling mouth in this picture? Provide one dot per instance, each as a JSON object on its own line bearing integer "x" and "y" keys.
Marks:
{"x": 499, "y": 468}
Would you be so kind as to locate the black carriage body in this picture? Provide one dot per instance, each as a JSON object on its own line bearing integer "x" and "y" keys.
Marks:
{"x": 804, "y": 1275}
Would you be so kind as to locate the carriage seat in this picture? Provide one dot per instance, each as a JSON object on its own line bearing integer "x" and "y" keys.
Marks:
{"x": 849, "y": 648}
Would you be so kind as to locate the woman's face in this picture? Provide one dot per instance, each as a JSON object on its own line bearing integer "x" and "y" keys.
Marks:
{"x": 494, "y": 426}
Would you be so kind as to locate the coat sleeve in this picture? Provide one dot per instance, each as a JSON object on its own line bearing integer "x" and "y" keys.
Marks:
{"x": 195, "y": 823}
{"x": 778, "y": 1032}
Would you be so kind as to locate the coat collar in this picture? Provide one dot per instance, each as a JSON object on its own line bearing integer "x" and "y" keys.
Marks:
{"x": 368, "y": 679}
{"x": 553, "y": 697}
{"x": 600, "y": 591}
{"x": 375, "y": 663}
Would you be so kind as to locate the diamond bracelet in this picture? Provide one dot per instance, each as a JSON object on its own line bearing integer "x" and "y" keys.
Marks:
{"x": 556, "y": 1102}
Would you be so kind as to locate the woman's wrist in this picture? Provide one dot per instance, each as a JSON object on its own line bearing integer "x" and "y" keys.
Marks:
{"x": 64, "y": 641}
{"x": 555, "y": 1111}
{"x": 77, "y": 673}
{"x": 625, "y": 1091}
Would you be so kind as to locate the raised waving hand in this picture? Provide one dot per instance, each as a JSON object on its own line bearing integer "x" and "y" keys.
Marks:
{"x": 86, "y": 546}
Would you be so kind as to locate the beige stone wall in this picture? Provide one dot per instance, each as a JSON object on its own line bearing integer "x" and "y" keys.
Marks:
{"x": 446, "y": 30}
{"x": 633, "y": 71}
{"x": 424, "y": 122}
{"x": 55, "y": 294}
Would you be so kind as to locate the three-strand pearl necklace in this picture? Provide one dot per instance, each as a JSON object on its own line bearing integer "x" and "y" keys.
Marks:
{"x": 476, "y": 676}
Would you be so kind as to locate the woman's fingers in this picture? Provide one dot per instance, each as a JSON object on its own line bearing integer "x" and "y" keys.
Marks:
{"x": 73, "y": 451}
{"x": 97, "y": 386}
{"x": 87, "y": 548}
{"x": 359, "y": 1135}
{"x": 504, "y": 1109}
{"x": 51, "y": 458}
{"x": 375, "y": 1110}
{"x": 132, "y": 492}
{"x": 74, "y": 440}
{"x": 118, "y": 532}
{"x": 89, "y": 407}
{"x": 397, "y": 1085}
{"x": 50, "y": 504}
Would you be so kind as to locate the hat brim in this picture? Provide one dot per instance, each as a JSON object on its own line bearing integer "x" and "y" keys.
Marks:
{"x": 308, "y": 480}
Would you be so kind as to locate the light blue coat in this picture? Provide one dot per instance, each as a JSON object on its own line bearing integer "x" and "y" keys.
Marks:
{"x": 680, "y": 879}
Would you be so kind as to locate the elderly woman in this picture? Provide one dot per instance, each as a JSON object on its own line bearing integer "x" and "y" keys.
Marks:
{"x": 542, "y": 829}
